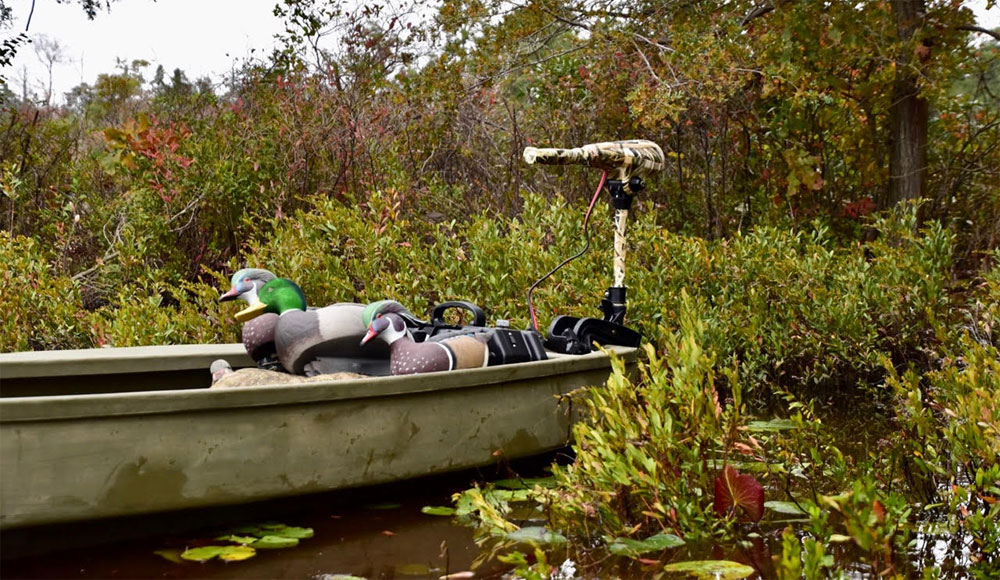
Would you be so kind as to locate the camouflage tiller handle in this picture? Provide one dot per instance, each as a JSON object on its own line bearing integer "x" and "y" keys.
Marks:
{"x": 623, "y": 159}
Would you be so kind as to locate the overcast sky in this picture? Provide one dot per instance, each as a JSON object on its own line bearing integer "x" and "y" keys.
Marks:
{"x": 201, "y": 37}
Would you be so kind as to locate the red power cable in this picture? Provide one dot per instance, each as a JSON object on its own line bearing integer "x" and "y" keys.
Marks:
{"x": 586, "y": 235}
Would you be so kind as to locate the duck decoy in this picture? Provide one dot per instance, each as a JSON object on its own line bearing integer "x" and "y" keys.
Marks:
{"x": 375, "y": 309}
{"x": 406, "y": 356}
{"x": 320, "y": 341}
{"x": 245, "y": 284}
{"x": 435, "y": 330}
{"x": 258, "y": 333}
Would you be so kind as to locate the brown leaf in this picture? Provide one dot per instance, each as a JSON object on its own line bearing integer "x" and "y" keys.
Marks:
{"x": 879, "y": 510}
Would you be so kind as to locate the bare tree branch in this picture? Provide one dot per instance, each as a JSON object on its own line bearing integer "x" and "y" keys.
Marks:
{"x": 981, "y": 30}
{"x": 511, "y": 69}
{"x": 649, "y": 67}
{"x": 757, "y": 12}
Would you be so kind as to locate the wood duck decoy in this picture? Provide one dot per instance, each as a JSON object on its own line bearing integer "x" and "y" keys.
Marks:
{"x": 319, "y": 341}
{"x": 258, "y": 333}
{"x": 374, "y": 309}
{"x": 406, "y": 356}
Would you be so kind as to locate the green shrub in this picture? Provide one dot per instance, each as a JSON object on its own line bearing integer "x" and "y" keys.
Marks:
{"x": 650, "y": 449}
{"x": 42, "y": 309}
{"x": 150, "y": 313}
{"x": 946, "y": 445}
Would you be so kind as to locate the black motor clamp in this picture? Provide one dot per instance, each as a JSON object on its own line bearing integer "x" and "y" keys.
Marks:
{"x": 573, "y": 335}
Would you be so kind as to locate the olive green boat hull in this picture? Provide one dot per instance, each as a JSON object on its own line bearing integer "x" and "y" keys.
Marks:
{"x": 150, "y": 440}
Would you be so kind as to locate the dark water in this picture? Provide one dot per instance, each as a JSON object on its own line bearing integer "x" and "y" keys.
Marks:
{"x": 372, "y": 533}
{"x": 381, "y": 532}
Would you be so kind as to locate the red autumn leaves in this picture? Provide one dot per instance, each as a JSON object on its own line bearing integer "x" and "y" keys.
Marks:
{"x": 739, "y": 494}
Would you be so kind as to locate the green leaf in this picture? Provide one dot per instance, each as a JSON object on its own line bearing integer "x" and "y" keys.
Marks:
{"x": 710, "y": 570}
{"x": 506, "y": 495}
{"x": 290, "y": 532}
{"x": 772, "y": 425}
{"x": 236, "y": 553}
{"x": 238, "y": 539}
{"x": 172, "y": 555}
{"x": 268, "y": 529}
{"x": 227, "y": 553}
{"x": 536, "y": 535}
{"x": 784, "y": 507}
{"x": 525, "y": 483}
{"x": 753, "y": 466}
{"x": 275, "y": 542}
{"x": 434, "y": 510}
{"x": 632, "y": 547}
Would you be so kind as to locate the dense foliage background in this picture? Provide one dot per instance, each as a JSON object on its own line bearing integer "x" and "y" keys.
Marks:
{"x": 825, "y": 233}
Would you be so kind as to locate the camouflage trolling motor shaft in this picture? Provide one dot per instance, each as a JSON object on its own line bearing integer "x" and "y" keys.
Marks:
{"x": 626, "y": 162}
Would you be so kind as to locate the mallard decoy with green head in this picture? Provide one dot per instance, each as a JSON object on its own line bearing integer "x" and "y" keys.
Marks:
{"x": 320, "y": 341}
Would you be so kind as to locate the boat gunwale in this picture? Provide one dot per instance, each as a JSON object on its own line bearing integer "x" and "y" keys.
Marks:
{"x": 118, "y": 360}
{"x": 137, "y": 403}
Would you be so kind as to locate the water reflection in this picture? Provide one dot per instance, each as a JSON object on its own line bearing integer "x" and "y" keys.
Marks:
{"x": 373, "y": 533}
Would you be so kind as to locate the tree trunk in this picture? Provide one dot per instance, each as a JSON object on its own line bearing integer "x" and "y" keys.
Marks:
{"x": 908, "y": 112}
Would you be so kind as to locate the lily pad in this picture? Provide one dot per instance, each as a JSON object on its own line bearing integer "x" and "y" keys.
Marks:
{"x": 238, "y": 539}
{"x": 272, "y": 529}
{"x": 632, "y": 547}
{"x": 785, "y": 507}
{"x": 290, "y": 532}
{"x": 171, "y": 555}
{"x": 275, "y": 542}
{"x": 536, "y": 535}
{"x": 434, "y": 510}
{"x": 710, "y": 570}
{"x": 226, "y": 553}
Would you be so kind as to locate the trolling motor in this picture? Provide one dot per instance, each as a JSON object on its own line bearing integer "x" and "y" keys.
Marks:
{"x": 626, "y": 163}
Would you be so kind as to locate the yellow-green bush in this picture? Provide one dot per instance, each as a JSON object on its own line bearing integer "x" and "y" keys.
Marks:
{"x": 42, "y": 309}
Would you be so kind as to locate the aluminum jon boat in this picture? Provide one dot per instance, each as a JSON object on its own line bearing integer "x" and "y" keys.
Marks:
{"x": 91, "y": 434}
